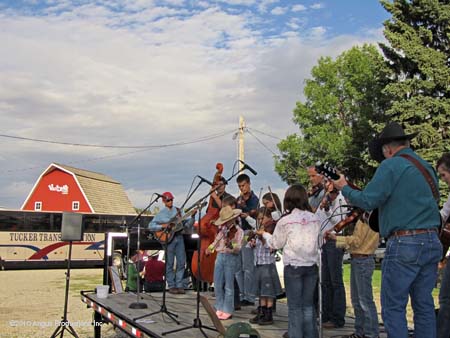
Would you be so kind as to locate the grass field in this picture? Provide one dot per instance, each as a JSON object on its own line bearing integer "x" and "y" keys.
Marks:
{"x": 376, "y": 285}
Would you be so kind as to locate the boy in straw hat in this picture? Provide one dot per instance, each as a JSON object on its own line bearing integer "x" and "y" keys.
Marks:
{"x": 227, "y": 244}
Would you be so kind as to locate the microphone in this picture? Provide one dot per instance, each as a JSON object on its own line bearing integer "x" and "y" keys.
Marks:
{"x": 204, "y": 180}
{"x": 246, "y": 166}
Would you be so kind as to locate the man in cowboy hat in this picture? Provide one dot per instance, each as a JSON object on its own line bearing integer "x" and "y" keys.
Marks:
{"x": 402, "y": 189}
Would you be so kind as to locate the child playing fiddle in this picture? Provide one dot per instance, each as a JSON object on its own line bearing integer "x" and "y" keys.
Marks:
{"x": 227, "y": 244}
{"x": 297, "y": 234}
{"x": 268, "y": 285}
{"x": 272, "y": 202}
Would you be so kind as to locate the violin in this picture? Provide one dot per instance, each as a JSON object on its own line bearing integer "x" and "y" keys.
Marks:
{"x": 315, "y": 190}
{"x": 351, "y": 218}
{"x": 264, "y": 227}
{"x": 229, "y": 234}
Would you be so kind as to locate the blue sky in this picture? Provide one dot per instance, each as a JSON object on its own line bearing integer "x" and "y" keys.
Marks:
{"x": 143, "y": 72}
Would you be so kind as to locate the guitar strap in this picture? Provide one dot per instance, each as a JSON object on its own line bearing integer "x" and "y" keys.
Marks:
{"x": 425, "y": 173}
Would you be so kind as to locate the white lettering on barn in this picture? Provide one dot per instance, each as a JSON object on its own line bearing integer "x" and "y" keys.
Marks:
{"x": 63, "y": 190}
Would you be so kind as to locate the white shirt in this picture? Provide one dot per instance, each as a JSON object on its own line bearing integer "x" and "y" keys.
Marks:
{"x": 445, "y": 211}
{"x": 339, "y": 213}
{"x": 297, "y": 234}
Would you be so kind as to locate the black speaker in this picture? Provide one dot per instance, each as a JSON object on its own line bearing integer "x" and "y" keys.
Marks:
{"x": 72, "y": 226}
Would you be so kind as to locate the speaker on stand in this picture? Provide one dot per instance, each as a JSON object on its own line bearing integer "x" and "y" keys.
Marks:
{"x": 71, "y": 230}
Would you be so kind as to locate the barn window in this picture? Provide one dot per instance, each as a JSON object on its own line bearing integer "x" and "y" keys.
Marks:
{"x": 37, "y": 206}
{"x": 75, "y": 205}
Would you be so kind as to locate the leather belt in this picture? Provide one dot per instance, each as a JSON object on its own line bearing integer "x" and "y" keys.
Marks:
{"x": 356, "y": 255}
{"x": 400, "y": 233}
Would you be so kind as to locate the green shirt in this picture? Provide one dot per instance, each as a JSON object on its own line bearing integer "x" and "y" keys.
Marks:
{"x": 132, "y": 277}
{"x": 401, "y": 193}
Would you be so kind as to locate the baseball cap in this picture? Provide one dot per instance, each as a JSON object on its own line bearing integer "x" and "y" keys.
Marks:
{"x": 168, "y": 195}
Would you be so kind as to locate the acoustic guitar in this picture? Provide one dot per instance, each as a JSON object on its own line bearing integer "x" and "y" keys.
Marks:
{"x": 175, "y": 225}
{"x": 370, "y": 217}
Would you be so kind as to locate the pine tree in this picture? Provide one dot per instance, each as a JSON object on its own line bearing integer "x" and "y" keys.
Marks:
{"x": 418, "y": 53}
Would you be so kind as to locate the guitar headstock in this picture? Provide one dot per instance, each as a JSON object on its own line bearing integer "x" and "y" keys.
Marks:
{"x": 327, "y": 170}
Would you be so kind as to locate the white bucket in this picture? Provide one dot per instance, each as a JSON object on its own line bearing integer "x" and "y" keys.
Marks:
{"x": 102, "y": 291}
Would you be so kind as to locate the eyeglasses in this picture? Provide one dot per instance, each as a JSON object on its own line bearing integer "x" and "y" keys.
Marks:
{"x": 168, "y": 200}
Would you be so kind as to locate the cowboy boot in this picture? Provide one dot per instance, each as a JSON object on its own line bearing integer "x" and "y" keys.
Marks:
{"x": 259, "y": 315}
{"x": 267, "y": 317}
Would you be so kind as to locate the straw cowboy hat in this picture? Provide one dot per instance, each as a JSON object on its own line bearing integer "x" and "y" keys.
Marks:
{"x": 227, "y": 214}
{"x": 393, "y": 131}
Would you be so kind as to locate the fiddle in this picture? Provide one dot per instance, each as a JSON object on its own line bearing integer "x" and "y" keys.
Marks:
{"x": 315, "y": 190}
{"x": 351, "y": 218}
{"x": 227, "y": 233}
{"x": 267, "y": 224}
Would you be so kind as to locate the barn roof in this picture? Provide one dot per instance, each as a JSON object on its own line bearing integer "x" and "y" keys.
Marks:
{"x": 104, "y": 194}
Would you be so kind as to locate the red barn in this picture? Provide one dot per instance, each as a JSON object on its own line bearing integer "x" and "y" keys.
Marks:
{"x": 64, "y": 188}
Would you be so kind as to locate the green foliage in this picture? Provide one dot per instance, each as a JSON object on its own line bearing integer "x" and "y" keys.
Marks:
{"x": 419, "y": 55}
{"x": 343, "y": 98}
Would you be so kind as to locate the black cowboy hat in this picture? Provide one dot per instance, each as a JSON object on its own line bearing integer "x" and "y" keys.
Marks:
{"x": 392, "y": 131}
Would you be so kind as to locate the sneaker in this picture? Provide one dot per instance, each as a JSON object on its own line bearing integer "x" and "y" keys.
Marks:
{"x": 219, "y": 313}
{"x": 286, "y": 335}
{"x": 173, "y": 291}
{"x": 181, "y": 291}
{"x": 225, "y": 316}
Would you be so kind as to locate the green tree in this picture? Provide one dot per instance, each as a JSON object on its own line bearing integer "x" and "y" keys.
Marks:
{"x": 343, "y": 99}
{"x": 418, "y": 53}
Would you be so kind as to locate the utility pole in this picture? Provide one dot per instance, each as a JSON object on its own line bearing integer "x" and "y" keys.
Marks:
{"x": 241, "y": 142}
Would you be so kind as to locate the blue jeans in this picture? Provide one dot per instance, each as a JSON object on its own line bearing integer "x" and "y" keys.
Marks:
{"x": 366, "y": 317}
{"x": 300, "y": 283}
{"x": 176, "y": 249}
{"x": 443, "y": 319}
{"x": 333, "y": 290}
{"x": 245, "y": 276}
{"x": 409, "y": 268}
{"x": 224, "y": 271}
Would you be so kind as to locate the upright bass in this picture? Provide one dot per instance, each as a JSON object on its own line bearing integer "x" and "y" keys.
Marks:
{"x": 207, "y": 231}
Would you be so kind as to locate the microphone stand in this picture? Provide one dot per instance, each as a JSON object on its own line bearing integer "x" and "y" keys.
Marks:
{"x": 321, "y": 242}
{"x": 197, "y": 323}
{"x": 138, "y": 304}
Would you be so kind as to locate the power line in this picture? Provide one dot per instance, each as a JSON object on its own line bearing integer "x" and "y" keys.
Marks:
{"x": 261, "y": 142}
{"x": 140, "y": 149}
{"x": 261, "y": 132}
{"x": 200, "y": 139}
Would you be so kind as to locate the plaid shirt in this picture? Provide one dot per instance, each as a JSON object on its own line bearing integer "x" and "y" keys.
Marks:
{"x": 263, "y": 253}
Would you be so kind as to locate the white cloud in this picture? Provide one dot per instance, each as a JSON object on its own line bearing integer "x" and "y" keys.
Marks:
{"x": 298, "y": 8}
{"x": 265, "y": 4}
{"x": 317, "y": 6}
{"x": 155, "y": 76}
{"x": 278, "y": 10}
{"x": 318, "y": 32}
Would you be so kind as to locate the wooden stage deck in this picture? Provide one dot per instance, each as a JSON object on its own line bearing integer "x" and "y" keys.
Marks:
{"x": 115, "y": 309}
